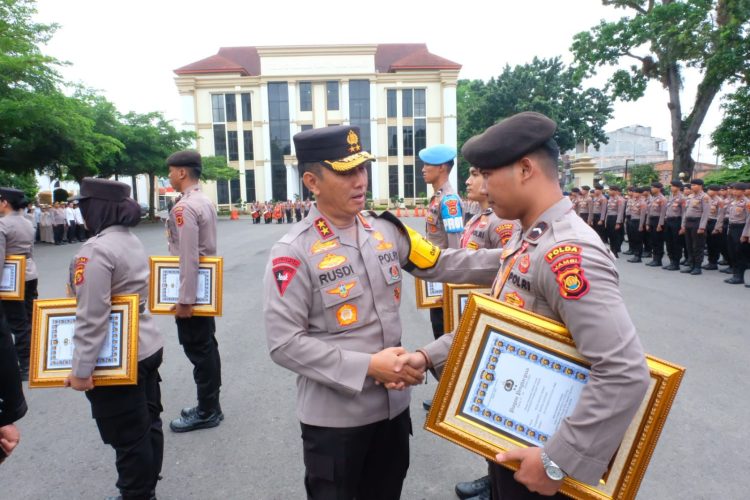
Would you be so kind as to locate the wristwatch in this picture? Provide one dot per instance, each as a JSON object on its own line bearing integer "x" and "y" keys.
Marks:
{"x": 553, "y": 470}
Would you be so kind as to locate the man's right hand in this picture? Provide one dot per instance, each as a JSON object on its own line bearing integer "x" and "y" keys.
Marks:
{"x": 386, "y": 367}
{"x": 9, "y": 438}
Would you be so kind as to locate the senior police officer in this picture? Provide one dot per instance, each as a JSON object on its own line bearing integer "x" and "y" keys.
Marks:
{"x": 17, "y": 238}
{"x": 334, "y": 286}
{"x": 113, "y": 262}
{"x": 191, "y": 233}
{"x": 694, "y": 222}
{"x": 571, "y": 277}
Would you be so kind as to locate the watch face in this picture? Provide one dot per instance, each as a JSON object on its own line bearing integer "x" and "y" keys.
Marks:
{"x": 554, "y": 473}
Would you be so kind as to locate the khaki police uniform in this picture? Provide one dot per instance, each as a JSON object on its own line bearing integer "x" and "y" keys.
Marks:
{"x": 599, "y": 213}
{"x": 615, "y": 215}
{"x": 695, "y": 217}
{"x": 191, "y": 234}
{"x": 487, "y": 230}
{"x": 114, "y": 262}
{"x": 636, "y": 227}
{"x": 583, "y": 207}
{"x": 672, "y": 224}
{"x": 714, "y": 230}
{"x": 738, "y": 212}
{"x": 657, "y": 212}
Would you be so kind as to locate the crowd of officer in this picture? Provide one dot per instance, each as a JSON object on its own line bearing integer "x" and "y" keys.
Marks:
{"x": 700, "y": 227}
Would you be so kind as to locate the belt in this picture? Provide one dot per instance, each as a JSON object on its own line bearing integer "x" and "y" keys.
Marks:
{"x": 673, "y": 217}
{"x": 692, "y": 219}
{"x": 737, "y": 224}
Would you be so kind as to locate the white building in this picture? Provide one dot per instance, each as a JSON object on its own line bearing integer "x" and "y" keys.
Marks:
{"x": 246, "y": 103}
{"x": 633, "y": 143}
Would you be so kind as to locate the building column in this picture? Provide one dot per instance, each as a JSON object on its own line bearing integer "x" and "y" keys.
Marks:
{"x": 240, "y": 143}
{"x": 292, "y": 98}
{"x": 344, "y": 102}
{"x": 450, "y": 125}
{"x": 400, "y": 142}
{"x": 292, "y": 180}
{"x": 374, "y": 140}
{"x": 267, "y": 193}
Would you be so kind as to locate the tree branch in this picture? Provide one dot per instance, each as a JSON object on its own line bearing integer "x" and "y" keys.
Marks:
{"x": 630, "y": 54}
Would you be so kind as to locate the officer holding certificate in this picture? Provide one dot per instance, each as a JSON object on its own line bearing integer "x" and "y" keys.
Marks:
{"x": 191, "y": 233}
{"x": 114, "y": 262}
{"x": 557, "y": 267}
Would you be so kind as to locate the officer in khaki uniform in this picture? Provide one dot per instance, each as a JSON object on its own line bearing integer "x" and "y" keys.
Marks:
{"x": 637, "y": 224}
{"x": 714, "y": 227}
{"x": 599, "y": 212}
{"x": 17, "y": 238}
{"x": 672, "y": 223}
{"x": 114, "y": 262}
{"x": 657, "y": 211}
{"x": 583, "y": 206}
{"x": 333, "y": 290}
{"x": 738, "y": 212}
{"x": 615, "y": 220}
{"x": 191, "y": 234}
{"x": 484, "y": 229}
{"x": 694, "y": 222}
{"x": 557, "y": 267}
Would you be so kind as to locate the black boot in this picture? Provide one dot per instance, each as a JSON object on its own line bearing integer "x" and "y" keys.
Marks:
{"x": 656, "y": 262}
{"x": 696, "y": 271}
{"x": 727, "y": 270}
{"x": 469, "y": 489}
{"x": 200, "y": 419}
{"x": 635, "y": 259}
{"x": 628, "y": 252}
{"x": 734, "y": 280}
{"x": 711, "y": 267}
{"x": 686, "y": 270}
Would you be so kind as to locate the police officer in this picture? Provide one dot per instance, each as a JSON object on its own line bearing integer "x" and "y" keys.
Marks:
{"x": 657, "y": 211}
{"x": 191, "y": 233}
{"x": 745, "y": 236}
{"x": 12, "y": 402}
{"x": 114, "y": 262}
{"x": 583, "y": 208}
{"x": 569, "y": 276}
{"x": 334, "y": 285}
{"x": 599, "y": 212}
{"x": 17, "y": 238}
{"x": 614, "y": 220}
{"x": 637, "y": 224}
{"x": 714, "y": 227}
{"x": 738, "y": 211}
{"x": 694, "y": 222}
{"x": 672, "y": 224}
{"x": 629, "y": 197}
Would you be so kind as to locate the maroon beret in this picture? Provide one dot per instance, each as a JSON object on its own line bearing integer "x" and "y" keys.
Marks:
{"x": 508, "y": 141}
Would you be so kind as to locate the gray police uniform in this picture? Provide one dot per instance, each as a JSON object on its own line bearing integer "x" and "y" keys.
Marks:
{"x": 191, "y": 234}
{"x": 487, "y": 230}
{"x": 657, "y": 211}
{"x": 114, "y": 262}
{"x": 615, "y": 216}
{"x": 17, "y": 238}
{"x": 695, "y": 217}
{"x": 738, "y": 212}
{"x": 672, "y": 223}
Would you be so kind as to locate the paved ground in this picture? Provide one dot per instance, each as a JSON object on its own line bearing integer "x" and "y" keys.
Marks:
{"x": 698, "y": 322}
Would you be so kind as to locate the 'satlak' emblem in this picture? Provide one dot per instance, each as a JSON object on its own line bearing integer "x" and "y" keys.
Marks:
{"x": 284, "y": 269}
{"x": 342, "y": 290}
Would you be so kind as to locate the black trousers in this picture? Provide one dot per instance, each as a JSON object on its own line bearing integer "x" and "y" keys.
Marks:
{"x": 738, "y": 258}
{"x": 599, "y": 228}
{"x": 614, "y": 235}
{"x": 656, "y": 237}
{"x": 673, "y": 238}
{"x": 635, "y": 237}
{"x": 58, "y": 231}
{"x": 713, "y": 242}
{"x": 504, "y": 487}
{"x": 197, "y": 335}
{"x": 72, "y": 231}
{"x": 436, "y": 318}
{"x": 367, "y": 462}
{"x": 298, "y": 214}
{"x": 128, "y": 418}
{"x": 724, "y": 240}
{"x": 289, "y": 216}
{"x": 695, "y": 242}
{"x": 18, "y": 314}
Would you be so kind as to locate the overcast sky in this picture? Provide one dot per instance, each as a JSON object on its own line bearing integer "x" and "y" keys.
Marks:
{"x": 129, "y": 49}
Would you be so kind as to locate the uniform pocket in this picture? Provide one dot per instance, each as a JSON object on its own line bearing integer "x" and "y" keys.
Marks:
{"x": 341, "y": 312}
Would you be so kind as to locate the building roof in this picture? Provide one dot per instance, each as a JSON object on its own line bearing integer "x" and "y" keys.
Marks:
{"x": 389, "y": 58}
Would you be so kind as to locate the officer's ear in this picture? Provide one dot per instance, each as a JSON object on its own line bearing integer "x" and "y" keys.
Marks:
{"x": 312, "y": 182}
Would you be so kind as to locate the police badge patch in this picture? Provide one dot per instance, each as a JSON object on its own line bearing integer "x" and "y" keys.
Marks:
{"x": 284, "y": 269}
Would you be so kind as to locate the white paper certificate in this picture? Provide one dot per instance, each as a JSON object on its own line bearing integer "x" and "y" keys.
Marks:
{"x": 60, "y": 341}
{"x": 8, "y": 281}
{"x": 522, "y": 390}
{"x": 169, "y": 286}
{"x": 434, "y": 289}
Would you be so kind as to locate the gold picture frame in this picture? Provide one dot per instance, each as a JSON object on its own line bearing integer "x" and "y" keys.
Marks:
{"x": 455, "y": 298}
{"x": 458, "y": 413}
{"x": 429, "y": 294}
{"x": 13, "y": 280}
{"x": 164, "y": 285}
{"x": 52, "y": 346}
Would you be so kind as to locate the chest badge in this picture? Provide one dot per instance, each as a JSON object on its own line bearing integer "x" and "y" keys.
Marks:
{"x": 524, "y": 264}
{"x": 342, "y": 290}
{"x": 514, "y": 299}
{"x": 346, "y": 315}
{"x": 330, "y": 261}
{"x": 382, "y": 244}
{"x": 324, "y": 246}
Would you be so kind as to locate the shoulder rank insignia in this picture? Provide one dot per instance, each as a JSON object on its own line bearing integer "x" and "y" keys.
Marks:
{"x": 537, "y": 231}
{"x": 323, "y": 229}
{"x": 366, "y": 225}
{"x": 284, "y": 269}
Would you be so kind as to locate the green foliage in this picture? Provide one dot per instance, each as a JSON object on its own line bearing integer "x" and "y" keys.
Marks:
{"x": 663, "y": 39}
{"x": 732, "y": 137}
{"x": 642, "y": 175}
{"x": 544, "y": 85}
{"x": 25, "y": 181}
{"x": 729, "y": 175}
{"x": 215, "y": 168}
{"x": 611, "y": 179}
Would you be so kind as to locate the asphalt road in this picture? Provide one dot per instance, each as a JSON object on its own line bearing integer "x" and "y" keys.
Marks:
{"x": 698, "y": 322}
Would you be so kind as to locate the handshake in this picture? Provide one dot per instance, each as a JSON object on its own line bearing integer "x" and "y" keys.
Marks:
{"x": 396, "y": 368}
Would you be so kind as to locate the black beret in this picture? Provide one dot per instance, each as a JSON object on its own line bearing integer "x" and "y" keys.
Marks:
{"x": 598, "y": 186}
{"x": 585, "y": 188}
{"x": 657, "y": 185}
{"x": 338, "y": 148}
{"x": 698, "y": 182}
{"x": 677, "y": 184}
{"x": 615, "y": 188}
{"x": 103, "y": 189}
{"x": 576, "y": 190}
{"x": 186, "y": 158}
{"x": 509, "y": 140}
{"x": 742, "y": 185}
{"x": 12, "y": 195}
{"x": 712, "y": 187}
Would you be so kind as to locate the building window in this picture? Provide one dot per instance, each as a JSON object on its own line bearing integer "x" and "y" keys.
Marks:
{"x": 419, "y": 184}
{"x": 408, "y": 181}
{"x": 420, "y": 103}
{"x": 407, "y": 103}
{"x": 278, "y": 120}
{"x": 359, "y": 109}
{"x": 234, "y": 189}
{"x": 250, "y": 185}
{"x": 247, "y": 114}
{"x": 306, "y": 126}
{"x": 247, "y": 136}
{"x": 234, "y": 153}
{"x": 222, "y": 192}
{"x": 217, "y": 107}
{"x": 391, "y": 100}
{"x": 420, "y": 134}
{"x": 392, "y": 141}
{"x": 408, "y": 141}
{"x": 231, "y": 107}
{"x": 220, "y": 140}
{"x": 305, "y": 96}
{"x": 332, "y": 96}
{"x": 393, "y": 181}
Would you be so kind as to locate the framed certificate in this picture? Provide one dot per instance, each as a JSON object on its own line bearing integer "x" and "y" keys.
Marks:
{"x": 13, "y": 281}
{"x": 511, "y": 378}
{"x": 164, "y": 285}
{"x": 429, "y": 294}
{"x": 52, "y": 343}
{"x": 455, "y": 298}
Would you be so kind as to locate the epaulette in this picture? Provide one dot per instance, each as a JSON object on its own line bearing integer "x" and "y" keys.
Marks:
{"x": 386, "y": 215}
{"x": 295, "y": 231}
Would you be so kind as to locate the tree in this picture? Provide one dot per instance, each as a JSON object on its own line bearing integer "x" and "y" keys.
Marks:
{"x": 611, "y": 179}
{"x": 664, "y": 38}
{"x": 643, "y": 175}
{"x": 544, "y": 85}
{"x": 26, "y": 182}
{"x": 732, "y": 137}
{"x": 215, "y": 168}
{"x": 726, "y": 176}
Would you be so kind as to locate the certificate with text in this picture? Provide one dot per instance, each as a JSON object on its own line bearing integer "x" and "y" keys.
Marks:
{"x": 164, "y": 285}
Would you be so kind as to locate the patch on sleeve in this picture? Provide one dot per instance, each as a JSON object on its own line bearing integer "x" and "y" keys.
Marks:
{"x": 514, "y": 299}
{"x": 284, "y": 269}
{"x": 78, "y": 270}
{"x": 324, "y": 230}
{"x": 572, "y": 282}
{"x": 562, "y": 250}
{"x": 504, "y": 231}
{"x": 451, "y": 213}
{"x": 179, "y": 216}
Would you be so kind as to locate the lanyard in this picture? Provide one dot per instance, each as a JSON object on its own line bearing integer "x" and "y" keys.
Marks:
{"x": 469, "y": 231}
{"x": 499, "y": 284}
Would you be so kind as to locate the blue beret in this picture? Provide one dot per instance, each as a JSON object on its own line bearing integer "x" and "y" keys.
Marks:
{"x": 437, "y": 154}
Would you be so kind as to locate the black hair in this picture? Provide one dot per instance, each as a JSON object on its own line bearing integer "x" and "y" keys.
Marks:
{"x": 550, "y": 151}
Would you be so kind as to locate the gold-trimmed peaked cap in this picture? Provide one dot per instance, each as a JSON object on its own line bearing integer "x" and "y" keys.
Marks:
{"x": 338, "y": 148}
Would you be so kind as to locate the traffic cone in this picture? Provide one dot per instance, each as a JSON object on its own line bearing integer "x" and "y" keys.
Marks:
{"x": 398, "y": 211}
{"x": 235, "y": 215}
{"x": 416, "y": 211}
